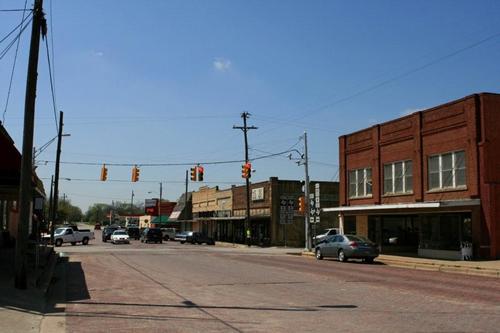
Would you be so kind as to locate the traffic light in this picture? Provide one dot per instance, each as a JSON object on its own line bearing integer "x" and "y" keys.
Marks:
{"x": 200, "y": 173}
{"x": 193, "y": 174}
{"x": 104, "y": 173}
{"x": 302, "y": 204}
{"x": 135, "y": 174}
{"x": 246, "y": 170}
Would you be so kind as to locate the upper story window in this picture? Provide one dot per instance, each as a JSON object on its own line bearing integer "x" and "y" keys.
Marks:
{"x": 447, "y": 170}
{"x": 398, "y": 177}
{"x": 360, "y": 183}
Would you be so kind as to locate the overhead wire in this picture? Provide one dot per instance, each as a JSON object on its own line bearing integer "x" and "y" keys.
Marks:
{"x": 15, "y": 10}
{"x": 15, "y": 28}
{"x": 169, "y": 164}
{"x": 293, "y": 122}
{"x": 13, "y": 67}
{"x": 54, "y": 108}
{"x": 11, "y": 43}
{"x": 142, "y": 181}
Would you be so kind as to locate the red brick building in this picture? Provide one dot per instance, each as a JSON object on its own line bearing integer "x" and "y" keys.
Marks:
{"x": 427, "y": 183}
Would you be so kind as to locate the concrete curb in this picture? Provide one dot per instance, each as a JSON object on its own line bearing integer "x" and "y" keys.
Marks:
{"x": 225, "y": 244}
{"x": 430, "y": 266}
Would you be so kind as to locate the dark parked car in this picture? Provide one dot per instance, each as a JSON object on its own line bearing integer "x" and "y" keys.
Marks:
{"x": 108, "y": 231}
{"x": 344, "y": 247}
{"x": 152, "y": 235}
{"x": 199, "y": 238}
{"x": 134, "y": 232}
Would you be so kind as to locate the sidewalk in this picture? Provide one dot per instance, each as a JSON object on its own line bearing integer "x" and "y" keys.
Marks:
{"x": 489, "y": 268}
{"x": 23, "y": 310}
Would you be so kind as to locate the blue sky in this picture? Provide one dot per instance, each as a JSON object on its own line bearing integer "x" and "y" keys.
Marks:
{"x": 165, "y": 81}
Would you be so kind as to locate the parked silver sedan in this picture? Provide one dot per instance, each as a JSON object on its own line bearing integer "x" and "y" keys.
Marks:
{"x": 344, "y": 247}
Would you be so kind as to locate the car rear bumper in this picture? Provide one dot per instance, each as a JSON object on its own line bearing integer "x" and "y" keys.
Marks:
{"x": 121, "y": 241}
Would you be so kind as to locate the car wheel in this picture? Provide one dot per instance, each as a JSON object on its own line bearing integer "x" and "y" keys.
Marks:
{"x": 85, "y": 241}
{"x": 319, "y": 255}
{"x": 369, "y": 260}
{"x": 342, "y": 257}
{"x": 104, "y": 240}
{"x": 182, "y": 242}
{"x": 73, "y": 243}
{"x": 161, "y": 242}
{"x": 59, "y": 242}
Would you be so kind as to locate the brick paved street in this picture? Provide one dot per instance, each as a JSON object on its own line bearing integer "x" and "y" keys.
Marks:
{"x": 171, "y": 287}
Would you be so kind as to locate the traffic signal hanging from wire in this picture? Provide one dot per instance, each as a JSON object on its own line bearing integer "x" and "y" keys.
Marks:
{"x": 197, "y": 173}
{"x": 104, "y": 173}
{"x": 135, "y": 174}
{"x": 201, "y": 171}
{"x": 193, "y": 174}
{"x": 246, "y": 170}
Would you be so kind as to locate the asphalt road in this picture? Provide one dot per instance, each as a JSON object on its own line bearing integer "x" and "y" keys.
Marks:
{"x": 171, "y": 287}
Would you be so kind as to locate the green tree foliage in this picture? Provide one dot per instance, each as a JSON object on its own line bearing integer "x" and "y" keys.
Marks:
{"x": 66, "y": 212}
{"x": 98, "y": 212}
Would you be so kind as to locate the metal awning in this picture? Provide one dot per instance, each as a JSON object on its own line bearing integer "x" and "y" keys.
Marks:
{"x": 160, "y": 219}
{"x": 415, "y": 205}
{"x": 225, "y": 218}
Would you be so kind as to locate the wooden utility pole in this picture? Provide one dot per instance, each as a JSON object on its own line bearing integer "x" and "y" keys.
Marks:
{"x": 55, "y": 199}
{"x": 51, "y": 206}
{"x": 245, "y": 128}
{"x": 26, "y": 189}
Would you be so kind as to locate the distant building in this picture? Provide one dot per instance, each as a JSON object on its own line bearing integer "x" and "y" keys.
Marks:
{"x": 426, "y": 184}
{"x": 221, "y": 213}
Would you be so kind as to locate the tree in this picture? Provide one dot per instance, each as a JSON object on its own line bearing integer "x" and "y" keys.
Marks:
{"x": 97, "y": 212}
{"x": 66, "y": 212}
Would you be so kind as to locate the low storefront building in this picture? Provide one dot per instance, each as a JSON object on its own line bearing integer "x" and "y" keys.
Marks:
{"x": 274, "y": 211}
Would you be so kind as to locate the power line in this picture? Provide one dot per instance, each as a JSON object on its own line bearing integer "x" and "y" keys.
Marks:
{"x": 69, "y": 179}
{"x": 51, "y": 85}
{"x": 9, "y": 46}
{"x": 169, "y": 164}
{"x": 293, "y": 122}
{"x": 15, "y": 28}
{"x": 402, "y": 75}
{"x": 16, "y": 10}
{"x": 13, "y": 69}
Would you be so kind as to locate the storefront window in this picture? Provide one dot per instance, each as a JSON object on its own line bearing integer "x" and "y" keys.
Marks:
{"x": 445, "y": 232}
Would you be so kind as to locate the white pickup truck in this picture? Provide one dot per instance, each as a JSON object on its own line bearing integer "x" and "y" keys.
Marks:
{"x": 72, "y": 235}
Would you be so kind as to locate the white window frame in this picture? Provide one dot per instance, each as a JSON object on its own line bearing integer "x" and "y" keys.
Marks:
{"x": 365, "y": 183}
{"x": 453, "y": 171}
{"x": 393, "y": 177}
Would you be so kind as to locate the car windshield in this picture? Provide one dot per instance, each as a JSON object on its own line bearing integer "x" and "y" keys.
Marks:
{"x": 59, "y": 231}
{"x": 119, "y": 232}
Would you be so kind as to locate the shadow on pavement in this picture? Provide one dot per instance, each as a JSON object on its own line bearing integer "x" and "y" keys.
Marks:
{"x": 189, "y": 304}
{"x": 68, "y": 285}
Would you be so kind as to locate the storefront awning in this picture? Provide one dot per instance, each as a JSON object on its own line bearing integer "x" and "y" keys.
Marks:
{"x": 415, "y": 205}
{"x": 160, "y": 219}
{"x": 225, "y": 218}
